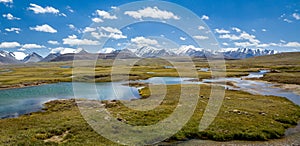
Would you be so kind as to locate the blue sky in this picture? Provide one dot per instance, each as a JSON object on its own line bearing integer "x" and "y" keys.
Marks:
{"x": 45, "y": 26}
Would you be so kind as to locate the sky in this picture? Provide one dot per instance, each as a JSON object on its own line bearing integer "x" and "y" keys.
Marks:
{"x": 49, "y": 26}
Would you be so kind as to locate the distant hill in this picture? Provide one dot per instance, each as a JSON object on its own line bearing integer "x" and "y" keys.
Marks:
{"x": 32, "y": 58}
{"x": 285, "y": 58}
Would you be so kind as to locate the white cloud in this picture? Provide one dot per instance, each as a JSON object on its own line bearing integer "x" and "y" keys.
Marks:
{"x": 221, "y": 31}
{"x": 264, "y": 30}
{"x": 44, "y": 28}
{"x": 6, "y": 1}
{"x": 105, "y": 15}
{"x": 244, "y": 44}
{"x": 205, "y": 17}
{"x": 142, "y": 41}
{"x": 150, "y": 12}
{"x": 10, "y": 17}
{"x": 89, "y": 29}
{"x": 251, "y": 38}
{"x": 9, "y": 45}
{"x": 53, "y": 42}
{"x": 236, "y": 29}
{"x": 13, "y": 29}
{"x": 229, "y": 36}
{"x": 296, "y": 16}
{"x": 225, "y": 44}
{"x": 110, "y": 35}
{"x": 201, "y": 27}
{"x": 97, "y": 20}
{"x": 282, "y": 41}
{"x": 73, "y": 40}
{"x": 111, "y": 30}
{"x": 62, "y": 50}
{"x": 32, "y": 46}
{"x": 38, "y": 9}
{"x": 108, "y": 32}
{"x": 287, "y": 20}
{"x": 69, "y": 9}
{"x": 71, "y": 26}
{"x": 113, "y": 7}
{"x": 200, "y": 37}
{"x": 182, "y": 38}
{"x": 292, "y": 44}
{"x": 243, "y": 36}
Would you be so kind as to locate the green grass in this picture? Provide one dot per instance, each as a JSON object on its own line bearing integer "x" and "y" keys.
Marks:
{"x": 242, "y": 117}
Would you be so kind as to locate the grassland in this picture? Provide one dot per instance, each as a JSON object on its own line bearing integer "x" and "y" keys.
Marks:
{"x": 242, "y": 117}
{"x": 285, "y": 67}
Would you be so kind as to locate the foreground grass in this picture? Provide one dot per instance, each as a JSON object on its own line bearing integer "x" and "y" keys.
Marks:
{"x": 242, "y": 117}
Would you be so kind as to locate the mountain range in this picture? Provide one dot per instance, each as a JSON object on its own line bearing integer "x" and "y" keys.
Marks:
{"x": 146, "y": 51}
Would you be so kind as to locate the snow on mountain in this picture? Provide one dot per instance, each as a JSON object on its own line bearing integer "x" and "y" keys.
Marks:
{"x": 34, "y": 57}
{"x": 190, "y": 50}
{"x": 19, "y": 55}
{"x": 148, "y": 51}
{"x": 8, "y": 58}
{"x": 240, "y": 53}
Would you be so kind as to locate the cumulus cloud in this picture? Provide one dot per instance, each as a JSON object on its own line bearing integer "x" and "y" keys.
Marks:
{"x": 73, "y": 41}
{"x": 6, "y": 1}
{"x": 44, "y": 28}
{"x": 10, "y": 17}
{"x": 287, "y": 20}
{"x": 201, "y": 27}
{"x": 97, "y": 20}
{"x": 205, "y": 17}
{"x": 236, "y": 29}
{"x": 200, "y": 37}
{"x": 9, "y": 45}
{"x": 108, "y": 32}
{"x": 182, "y": 38}
{"x": 264, "y": 30}
{"x": 13, "y": 29}
{"x": 62, "y": 50}
{"x": 296, "y": 16}
{"x": 105, "y": 15}
{"x": 53, "y": 42}
{"x": 111, "y": 30}
{"x": 142, "y": 41}
{"x": 69, "y": 9}
{"x": 89, "y": 29}
{"x": 40, "y": 10}
{"x": 221, "y": 31}
{"x": 292, "y": 44}
{"x": 243, "y": 36}
{"x": 150, "y": 12}
{"x": 32, "y": 46}
{"x": 225, "y": 44}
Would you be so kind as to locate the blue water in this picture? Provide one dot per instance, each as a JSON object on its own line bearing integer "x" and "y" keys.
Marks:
{"x": 15, "y": 102}
{"x": 18, "y": 101}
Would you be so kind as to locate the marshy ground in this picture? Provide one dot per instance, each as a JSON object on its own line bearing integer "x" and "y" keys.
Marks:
{"x": 243, "y": 116}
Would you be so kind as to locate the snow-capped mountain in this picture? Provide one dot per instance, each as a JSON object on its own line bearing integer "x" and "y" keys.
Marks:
{"x": 32, "y": 58}
{"x": 8, "y": 58}
{"x": 107, "y": 50}
{"x": 19, "y": 55}
{"x": 148, "y": 51}
{"x": 190, "y": 50}
{"x": 240, "y": 53}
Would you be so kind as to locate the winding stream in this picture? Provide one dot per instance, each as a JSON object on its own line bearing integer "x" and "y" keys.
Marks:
{"x": 15, "y": 102}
